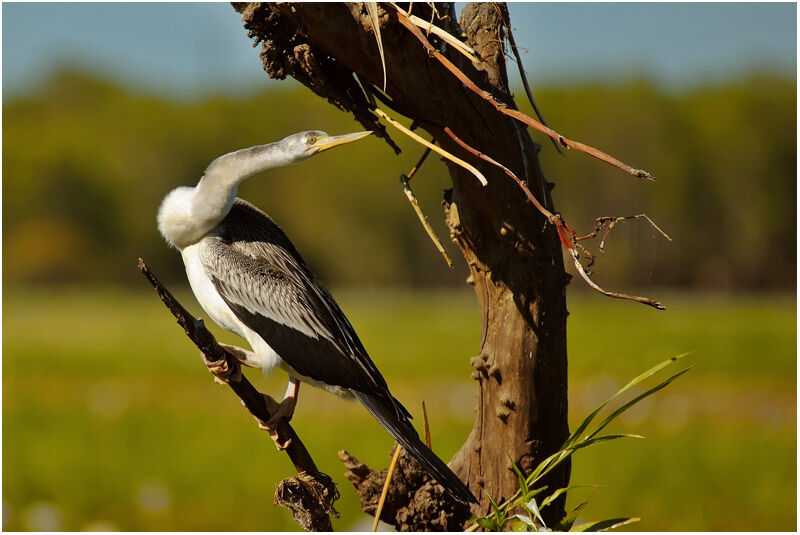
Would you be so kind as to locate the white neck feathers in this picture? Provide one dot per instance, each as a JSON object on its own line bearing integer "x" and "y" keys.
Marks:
{"x": 187, "y": 214}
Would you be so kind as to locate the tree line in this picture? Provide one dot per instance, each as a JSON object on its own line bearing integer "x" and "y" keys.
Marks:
{"x": 87, "y": 162}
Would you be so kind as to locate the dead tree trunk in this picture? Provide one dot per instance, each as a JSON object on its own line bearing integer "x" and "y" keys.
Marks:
{"x": 514, "y": 256}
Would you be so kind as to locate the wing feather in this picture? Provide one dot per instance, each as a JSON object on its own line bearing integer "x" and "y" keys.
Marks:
{"x": 262, "y": 278}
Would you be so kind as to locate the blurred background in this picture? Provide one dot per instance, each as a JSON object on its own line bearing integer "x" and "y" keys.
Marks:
{"x": 110, "y": 420}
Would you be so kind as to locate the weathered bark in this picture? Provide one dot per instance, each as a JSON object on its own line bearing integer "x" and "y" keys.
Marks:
{"x": 513, "y": 254}
{"x": 414, "y": 501}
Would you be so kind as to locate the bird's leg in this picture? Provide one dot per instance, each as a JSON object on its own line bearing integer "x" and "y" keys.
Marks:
{"x": 244, "y": 356}
{"x": 281, "y": 411}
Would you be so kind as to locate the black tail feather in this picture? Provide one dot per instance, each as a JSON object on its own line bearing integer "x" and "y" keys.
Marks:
{"x": 392, "y": 416}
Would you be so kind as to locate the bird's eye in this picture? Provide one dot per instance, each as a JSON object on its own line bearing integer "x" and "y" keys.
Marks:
{"x": 311, "y": 140}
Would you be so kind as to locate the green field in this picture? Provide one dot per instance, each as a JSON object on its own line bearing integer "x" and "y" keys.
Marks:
{"x": 110, "y": 420}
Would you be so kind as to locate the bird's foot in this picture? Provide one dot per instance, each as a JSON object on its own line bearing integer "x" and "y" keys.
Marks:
{"x": 224, "y": 370}
{"x": 279, "y": 412}
{"x": 245, "y": 357}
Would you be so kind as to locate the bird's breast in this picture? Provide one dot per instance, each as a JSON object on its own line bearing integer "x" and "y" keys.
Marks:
{"x": 206, "y": 293}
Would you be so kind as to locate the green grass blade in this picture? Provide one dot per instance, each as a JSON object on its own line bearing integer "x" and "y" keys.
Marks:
{"x": 533, "y": 508}
{"x": 548, "y": 464}
{"x": 499, "y": 513}
{"x": 487, "y": 523}
{"x": 523, "y": 482}
{"x": 633, "y": 382}
{"x": 608, "y": 419}
{"x": 558, "y": 493}
{"x": 525, "y": 519}
{"x": 604, "y": 438}
{"x": 649, "y": 373}
{"x": 566, "y": 523}
{"x": 605, "y": 525}
{"x": 584, "y": 424}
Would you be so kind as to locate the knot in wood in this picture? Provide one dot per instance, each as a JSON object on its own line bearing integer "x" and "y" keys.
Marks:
{"x": 502, "y": 413}
{"x": 478, "y": 362}
{"x": 510, "y": 403}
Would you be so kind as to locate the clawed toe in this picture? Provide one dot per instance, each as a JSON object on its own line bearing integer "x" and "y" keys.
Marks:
{"x": 223, "y": 372}
{"x": 272, "y": 429}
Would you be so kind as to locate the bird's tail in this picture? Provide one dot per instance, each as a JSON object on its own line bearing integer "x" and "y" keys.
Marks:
{"x": 392, "y": 416}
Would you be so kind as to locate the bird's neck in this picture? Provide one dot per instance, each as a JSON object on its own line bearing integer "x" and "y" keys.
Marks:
{"x": 188, "y": 214}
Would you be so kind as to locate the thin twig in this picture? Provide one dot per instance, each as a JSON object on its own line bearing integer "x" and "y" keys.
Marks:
{"x": 616, "y": 295}
{"x": 392, "y": 465}
{"x": 565, "y": 232}
{"x": 405, "y": 181}
{"x": 380, "y": 113}
{"x": 518, "y": 115}
{"x": 524, "y": 77}
{"x": 611, "y": 221}
{"x": 475, "y": 152}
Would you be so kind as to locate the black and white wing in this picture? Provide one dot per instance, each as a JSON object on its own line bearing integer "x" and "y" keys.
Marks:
{"x": 262, "y": 278}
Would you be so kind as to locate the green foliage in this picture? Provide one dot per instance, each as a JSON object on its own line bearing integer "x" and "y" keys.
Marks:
{"x": 112, "y": 407}
{"x": 86, "y": 164}
{"x": 581, "y": 437}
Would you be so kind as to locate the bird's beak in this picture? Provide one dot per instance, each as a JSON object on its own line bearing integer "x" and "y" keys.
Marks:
{"x": 328, "y": 142}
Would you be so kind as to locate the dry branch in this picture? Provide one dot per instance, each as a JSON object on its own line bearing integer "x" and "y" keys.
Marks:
{"x": 405, "y": 181}
{"x": 528, "y": 92}
{"x": 382, "y": 500}
{"x": 413, "y": 500}
{"x": 402, "y": 17}
{"x": 482, "y": 179}
{"x": 311, "y": 494}
{"x": 566, "y": 234}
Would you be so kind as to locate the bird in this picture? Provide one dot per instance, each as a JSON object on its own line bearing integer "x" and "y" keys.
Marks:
{"x": 250, "y": 279}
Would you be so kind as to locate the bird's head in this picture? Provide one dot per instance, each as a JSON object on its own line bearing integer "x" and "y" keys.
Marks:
{"x": 305, "y": 144}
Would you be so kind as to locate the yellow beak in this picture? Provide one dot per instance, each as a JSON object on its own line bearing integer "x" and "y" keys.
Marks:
{"x": 328, "y": 142}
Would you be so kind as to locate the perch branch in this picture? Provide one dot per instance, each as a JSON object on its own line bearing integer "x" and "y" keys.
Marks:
{"x": 502, "y": 108}
{"x": 311, "y": 494}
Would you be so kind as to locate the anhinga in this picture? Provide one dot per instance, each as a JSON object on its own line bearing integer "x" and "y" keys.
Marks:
{"x": 251, "y": 280}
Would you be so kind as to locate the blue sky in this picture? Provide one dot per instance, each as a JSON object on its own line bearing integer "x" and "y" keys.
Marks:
{"x": 197, "y": 49}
